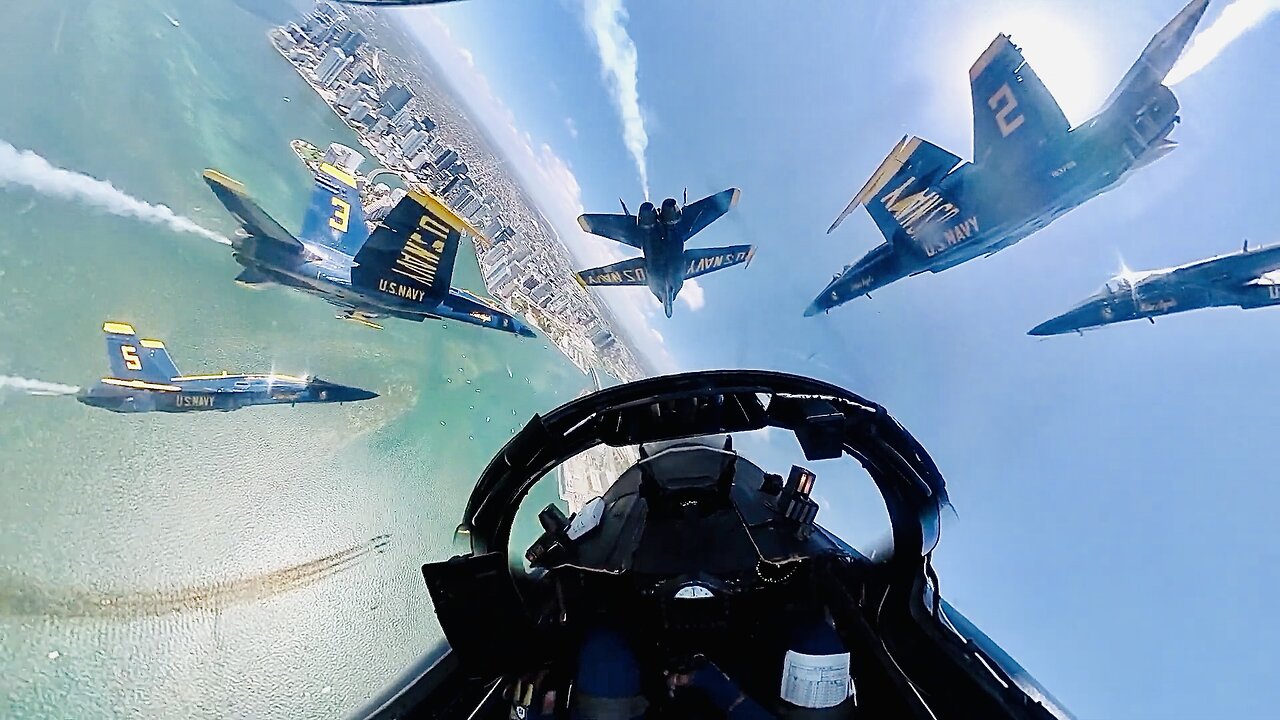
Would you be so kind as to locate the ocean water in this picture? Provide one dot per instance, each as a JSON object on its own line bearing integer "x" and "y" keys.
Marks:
{"x": 262, "y": 563}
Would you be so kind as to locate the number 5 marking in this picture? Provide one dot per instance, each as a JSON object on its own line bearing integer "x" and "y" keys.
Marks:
{"x": 130, "y": 355}
{"x": 1006, "y": 102}
{"x": 341, "y": 214}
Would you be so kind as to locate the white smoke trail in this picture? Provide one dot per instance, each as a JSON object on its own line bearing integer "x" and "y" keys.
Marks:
{"x": 620, "y": 66}
{"x": 35, "y": 387}
{"x": 27, "y": 169}
{"x": 1236, "y": 19}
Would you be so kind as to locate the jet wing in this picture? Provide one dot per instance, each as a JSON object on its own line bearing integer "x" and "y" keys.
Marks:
{"x": 1252, "y": 267}
{"x": 697, "y": 215}
{"x": 704, "y": 260}
{"x": 1014, "y": 115}
{"x": 627, "y": 272}
{"x": 619, "y": 228}
{"x": 252, "y": 217}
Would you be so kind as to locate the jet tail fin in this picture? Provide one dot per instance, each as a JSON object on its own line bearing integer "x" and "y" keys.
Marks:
{"x": 1014, "y": 114}
{"x": 411, "y": 253}
{"x": 1162, "y": 53}
{"x": 335, "y": 218}
{"x": 132, "y": 358}
{"x": 899, "y": 194}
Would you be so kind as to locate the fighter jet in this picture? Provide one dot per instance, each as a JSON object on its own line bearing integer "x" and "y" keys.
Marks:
{"x": 661, "y": 234}
{"x": 1029, "y": 165}
{"x": 144, "y": 379}
{"x": 401, "y": 269}
{"x": 1247, "y": 279}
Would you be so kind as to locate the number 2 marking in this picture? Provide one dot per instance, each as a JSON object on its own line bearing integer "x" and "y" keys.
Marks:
{"x": 130, "y": 355}
{"x": 1006, "y": 102}
{"x": 341, "y": 215}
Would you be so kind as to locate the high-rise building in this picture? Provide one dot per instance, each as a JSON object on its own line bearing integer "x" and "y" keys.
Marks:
{"x": 446, "y": 158}
{"x": 350, "y": 97}
{"x": 420, "y": 160}
{"x": 393, "y": 100}
{"x": 506, "y": 233}
{"x": 459, "y": 168}
{"x": 333, "y": 62}
{"x": 480, "y": 211}
{"x": 343, "y": 157}
{"x": 381, "y": 126}
{"x": 351, "y": 41}
{"x": 413, "y": 142}
{"x": 358, "y": 112}
{"x": 453, "y": 184}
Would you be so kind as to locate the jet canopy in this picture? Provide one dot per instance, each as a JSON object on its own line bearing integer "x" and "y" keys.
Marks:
{"x": 696, "y": 552}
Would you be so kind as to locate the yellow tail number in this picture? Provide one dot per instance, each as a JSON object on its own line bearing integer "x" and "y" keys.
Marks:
{"x": 341, "y": 214}
{"x": 130, "y": 355}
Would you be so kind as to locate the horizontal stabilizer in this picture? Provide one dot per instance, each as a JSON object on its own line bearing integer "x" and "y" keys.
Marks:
{"x": 627, "y": 272}
{"x": 252, "y": 217}
{"x": 411, "y": 253}
{"x": 619, "y": 228}
{"x": 704, "y": 260}
{"x": 131, "y": 358}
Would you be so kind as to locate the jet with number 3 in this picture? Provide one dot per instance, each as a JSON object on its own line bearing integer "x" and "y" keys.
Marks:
{"x": 660, "y": 234}
{"x": 1029, "y": 166}
{"x": 400, "y": 269}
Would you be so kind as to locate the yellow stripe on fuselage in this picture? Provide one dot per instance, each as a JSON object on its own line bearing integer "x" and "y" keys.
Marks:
{"x": 117, "y": 328}
{"x": 339, "y": 174}
{"x": 140, "y": 384}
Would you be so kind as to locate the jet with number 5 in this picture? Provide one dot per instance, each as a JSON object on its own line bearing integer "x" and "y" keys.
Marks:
{"x": 1247, "y": 279}
{"x": 1029, "y": 166}
{"x": 401, "y": 269}
{"x": 660, "y": 233}
{"x": 145, "y": 379}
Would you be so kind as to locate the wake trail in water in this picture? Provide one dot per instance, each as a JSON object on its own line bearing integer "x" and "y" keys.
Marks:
{"x": 35, "y": 387}
{"x": 21, "y": 597}
{"x": 25, "y": 168}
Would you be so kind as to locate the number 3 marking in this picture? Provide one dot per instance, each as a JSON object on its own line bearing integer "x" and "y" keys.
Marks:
{"x": 341, "y": 215}
{"x": 130, "y": 355}
{"x": 1004, "y": 97}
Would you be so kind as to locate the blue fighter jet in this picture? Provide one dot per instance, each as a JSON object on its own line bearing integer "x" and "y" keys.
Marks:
{"x": 661, "y": 234}
{"x": 401, "y": 269}
{"x": 1246, "y": 279}
{"x": 144, "y": 379}
{"x": 1029, "y": 165}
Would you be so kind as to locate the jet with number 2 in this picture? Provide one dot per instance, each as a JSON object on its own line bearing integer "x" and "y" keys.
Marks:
{"x": 1247, "y": 279}
{"x": 401, "y": 269}
{"x": 660, "y": 233}
{"x": 1029, "y": 165}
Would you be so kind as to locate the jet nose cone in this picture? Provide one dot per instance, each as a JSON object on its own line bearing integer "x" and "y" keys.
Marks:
{"x": 814, "y": 308}
{"x": 1054, "y": 326}
{"x": 333, "y": 392}
{"x": 522, "y": 329}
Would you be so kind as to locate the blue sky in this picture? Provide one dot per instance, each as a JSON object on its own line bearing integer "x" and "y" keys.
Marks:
{"x": 1114, "y": 491}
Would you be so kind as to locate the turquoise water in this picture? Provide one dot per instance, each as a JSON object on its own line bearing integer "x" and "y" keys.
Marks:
{"x": 194, "y": 566}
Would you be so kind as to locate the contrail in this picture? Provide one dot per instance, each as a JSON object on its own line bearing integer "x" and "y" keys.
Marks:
{"x": 27, "y": 169}
{"x": 35, "y": 387}
{"x": 1236, "y": 19}
{"x": 619, "y": 65}
{"x": 19, "y": 596}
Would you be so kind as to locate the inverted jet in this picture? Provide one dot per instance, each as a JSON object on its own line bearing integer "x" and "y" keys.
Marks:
{"x": 1246, "y": 279}
{"x": 400, "y": 269}
{"x": 145, "y": 379}
{"x": 660, "y": 234}
{"x": 1029, "y": 166}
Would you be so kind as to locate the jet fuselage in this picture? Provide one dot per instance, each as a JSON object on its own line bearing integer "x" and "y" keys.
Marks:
{"x": 215, "y": 392}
